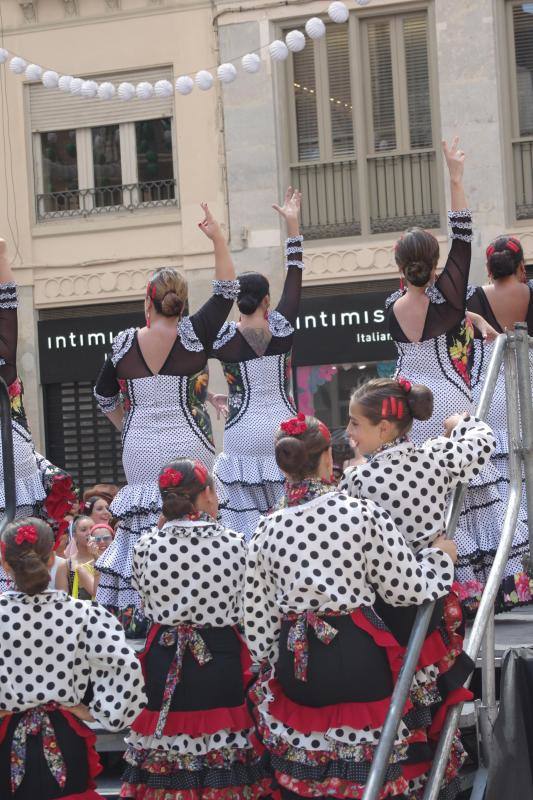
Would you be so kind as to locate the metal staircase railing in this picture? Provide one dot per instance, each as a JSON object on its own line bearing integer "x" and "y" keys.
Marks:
{"x": 8, "y": 459}
{"x": 513, "y": 349}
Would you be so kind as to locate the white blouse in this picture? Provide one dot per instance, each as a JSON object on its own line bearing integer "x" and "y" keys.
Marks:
{"x": 326, "y": 555}
{"x": 191, "y": 571}
{"x": 53, "y": 646}
{"x": 414, "y": 483}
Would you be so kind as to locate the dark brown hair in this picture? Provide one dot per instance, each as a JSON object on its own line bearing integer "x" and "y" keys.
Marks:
{"x": 417, "y": 255}
{"x": 168, "y": 291}
{"x": 298, "y": 455}
{"x": 29, "y": 560}
{"x": 254, "y": 287}
{"x": 418, "y": 402}
{"x": 178, "y": 501}
{"x": 504, "y": 256}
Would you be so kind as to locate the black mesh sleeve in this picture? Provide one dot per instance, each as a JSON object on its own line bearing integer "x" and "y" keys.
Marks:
{"x": 292, "y": 288}
{"x": 8, "y": 331}
{"x": 208, "y": 320}
{"x": 107, "y": 389}
{"x": 453, "y": 281}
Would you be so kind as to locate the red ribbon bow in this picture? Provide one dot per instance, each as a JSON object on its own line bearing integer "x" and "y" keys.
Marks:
{"x": 26, "y": 533}
{"x": 200, "y": 473}
{"x": 294, "y": 426}
{"x": 405, "y": 384}
{"x": 170, "y": 477}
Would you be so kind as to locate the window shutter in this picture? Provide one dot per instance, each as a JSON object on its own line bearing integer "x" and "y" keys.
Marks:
{"x": 417, "y": 78}
{"x": 79, "y": 438}
{"x": 53, "y": 110}
{"x": 340, "y": 96}
{"x": 305, "y": 104}
{"x": 381, "y": 85}
{"x": 523, "y": 43}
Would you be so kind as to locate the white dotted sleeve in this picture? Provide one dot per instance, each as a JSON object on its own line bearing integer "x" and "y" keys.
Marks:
{"x": 350, "y": 483}
{"x": 262, "y": 617}
{"x": 139, "y": 564}
{"x": 467, "y": 451}
{"x": 115, "y": 671}
{"x": 400, "y": 577}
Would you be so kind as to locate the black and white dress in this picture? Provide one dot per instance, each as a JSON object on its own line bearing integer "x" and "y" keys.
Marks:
{"x": 259, "y": 389}
{"x": 165, "y": 418}
{"x": 54, "y": 650}
{"x": 329, "y": 663}
{"x": 193, "y": 738}
{"x": 516, "y": 587}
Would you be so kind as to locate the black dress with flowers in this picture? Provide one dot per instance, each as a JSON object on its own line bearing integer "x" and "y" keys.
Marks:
{"x": 328, "y": 663}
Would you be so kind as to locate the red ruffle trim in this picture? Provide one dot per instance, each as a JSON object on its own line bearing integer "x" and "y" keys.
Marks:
{"x": 335, "y": 787}
{"x": 308, "y": 718}
{"x": 460, "y": 695}
{"x": 433, "y": 650}
{"x": 141, "y": 792}
{"x": 412, "y": 771}
{"x": 195, "y": 723}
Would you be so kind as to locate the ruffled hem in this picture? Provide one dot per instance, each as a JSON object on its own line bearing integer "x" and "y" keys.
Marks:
{"x": 194, "y": 723}
{"x": 233, "y": 470}
{"x": 338, "y": 788}
{"x": 134, "y": 499}
{"x": 29, "y": 491}
{"x": 453, "y": 698}
{"x": 140, "y": 792}
{"x": 117, "y": 560}
{"x": 160, "y": 773}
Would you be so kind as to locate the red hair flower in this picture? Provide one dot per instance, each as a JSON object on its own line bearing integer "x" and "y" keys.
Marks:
{"x": 294, "y": 426}
{"x": 200, "y": 472}
{"x": 26, "y": 533}
{"x": 170, "y": 477}
{"x": 405, "y": 384}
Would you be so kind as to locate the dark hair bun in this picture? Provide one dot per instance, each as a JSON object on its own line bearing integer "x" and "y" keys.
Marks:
{"x": 502, "y": 264}
{"x": 420, "y": 402}
{"x": 418, "y": 272}
{"x": 176, "y": 506}
{"x": 291, "y": 455}
{"x": 171, "y": 305}
{"x": 247, "y": 304}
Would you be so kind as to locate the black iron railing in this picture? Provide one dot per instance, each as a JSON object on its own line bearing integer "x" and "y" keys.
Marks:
{"x": 330, "y": 198}
{"x": 523, "y": 178}
{"x": 106, "y": 199}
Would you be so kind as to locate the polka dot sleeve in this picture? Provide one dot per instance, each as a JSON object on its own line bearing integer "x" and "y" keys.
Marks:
{"x": 400, "y": 577}
{"x": 115, "y": 671}
{"x": 262, "y": 616}
{"x": 140, "y": 557}
{"x": 468, "y": 449}
{"x": 351, "y": 482}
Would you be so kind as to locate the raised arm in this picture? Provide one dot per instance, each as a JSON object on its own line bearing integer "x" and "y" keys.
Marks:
{"x": 8, "y": 318}
{"x": 224, "y": 268}
{"x": 292, "y": 288}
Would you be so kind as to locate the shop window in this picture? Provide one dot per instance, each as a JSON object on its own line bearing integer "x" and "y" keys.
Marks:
{"x": 520, "y": 26}
{"x": 374, "y": 176}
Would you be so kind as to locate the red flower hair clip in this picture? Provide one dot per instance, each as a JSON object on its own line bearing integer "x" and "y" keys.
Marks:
{"x": 26, "y": 533}
{"x": 391, "y": 407}
{"x": 405, "y": 384}
{"x": 294, "y": 426}
{"x": 170, "y": 477}
{"x": 325, "y": 431}
{"x": 200, "y": 473}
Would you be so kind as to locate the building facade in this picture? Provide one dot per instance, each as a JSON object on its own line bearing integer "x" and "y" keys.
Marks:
{"x": 99, "y": 193}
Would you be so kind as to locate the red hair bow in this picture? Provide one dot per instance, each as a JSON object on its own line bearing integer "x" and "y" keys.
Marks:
{"x": 513, "y": 244}
{"x": 170, "y": 477}
{"x": 294, "y": 426}
{"x": 200, "y": 473}
{"x": 26, "y": 533}
{"x": 405, "y": 384}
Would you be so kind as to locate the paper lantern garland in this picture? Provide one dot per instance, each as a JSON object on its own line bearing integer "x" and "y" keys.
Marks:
{"x": 89, "y": 89}
{"x": 184, "y": 84}
{"x": 75, "y": 85}
{"x": 163, "y": 89}
{"x": 106, "y": 91}
{"x": 295, "y": 41}
{"x": 64, "y": 83}
{"x": 4, "y": 55}
{"x": 226, "y": 73}
{"x": 50, "y": 79}
{"x": 17, "y": 65}
{"x": 315, "y": 28}
{"x": 278, "y": 50}
{"x": 251, "y": 63}
{"x": 33, "y": 72}
{"x": 126, "y": 91}
{"x": 204, "y": 80}
{"x": 337, "y": 12}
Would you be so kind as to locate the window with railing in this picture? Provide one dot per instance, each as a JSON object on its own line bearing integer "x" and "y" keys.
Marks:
{"x": 520, "y": 22}
{"x": 361, "y": 128}
{"x": 92, "y": 157}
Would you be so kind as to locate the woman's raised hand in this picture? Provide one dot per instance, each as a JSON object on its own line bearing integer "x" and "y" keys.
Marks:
{"x": 290, "y": 210}
{"x": 455, "y": 159}
{"x": 209, "y": 225}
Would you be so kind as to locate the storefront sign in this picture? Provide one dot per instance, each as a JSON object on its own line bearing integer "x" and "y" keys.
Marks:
{"x": 74, "y": 349}
{"x": 344, "y": 328}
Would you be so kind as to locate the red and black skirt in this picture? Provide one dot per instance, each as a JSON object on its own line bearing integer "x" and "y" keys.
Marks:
{"x": 193, "y": 739}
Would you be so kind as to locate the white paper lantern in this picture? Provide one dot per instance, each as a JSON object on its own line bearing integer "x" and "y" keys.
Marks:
{"x": 337, "y": 12}
{"x": 126, "y": 91}
{"x": 75, "y": 85}
{"x": 163, "y": 89}
{"x": 4, "y": 55}
{"x": 295, "y": 41}
{"x": 251, "y": 63}
{"x": 106, "y": 91}
{"x": 34, "y": 72}
{"x": 204, "y": 80}
{"x": 17, "y": 65}
{"x": 144, "y": 90}
{"x": 64, "y": 82}
{"x": 184, "y": 84}
{"x": 226, "y": 73}
{"x": 89, "y": 89}
{"x": 50, "y": 79}
{"x": 278, "y": 50}
{"x": 315, "y": 28}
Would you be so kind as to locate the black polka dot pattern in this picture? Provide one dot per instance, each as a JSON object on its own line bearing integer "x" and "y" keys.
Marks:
{"x": 191, "y": 571}
{"x": 414, "y": 483}
{"x": 326, "y": 555}
{"x": 52, "y": 646}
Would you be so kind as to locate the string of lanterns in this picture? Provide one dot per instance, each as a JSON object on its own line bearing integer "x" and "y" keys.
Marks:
{"x": 295, "y": 41}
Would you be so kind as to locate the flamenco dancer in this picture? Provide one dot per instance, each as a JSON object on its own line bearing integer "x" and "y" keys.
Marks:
{"x": 413, "y": 484}
{"x": 255, "y": 354}
{"x": 46, "y": 751}
{"x": 508, "y": 298}
{"x": 192, "y": 739}
{"x": 328, "y": 662}
{"x": 42, "y": 489}
{"x": 153, "y": 387}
